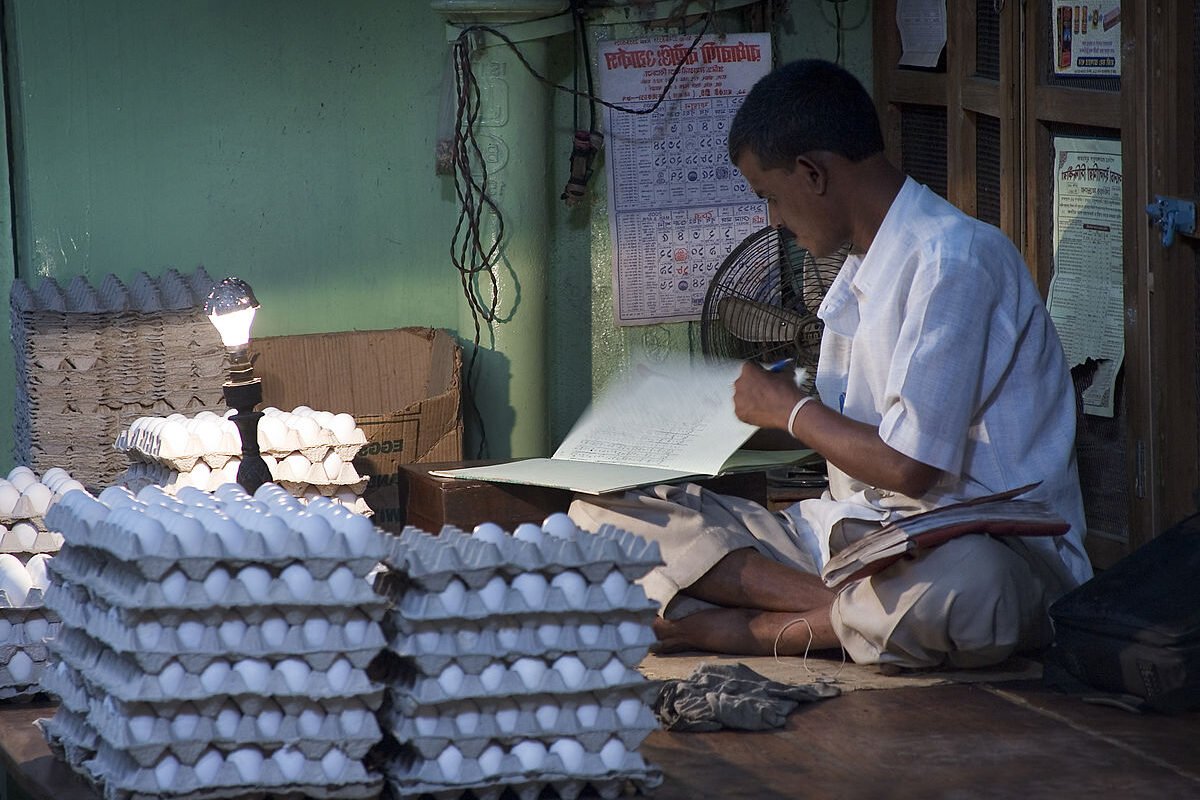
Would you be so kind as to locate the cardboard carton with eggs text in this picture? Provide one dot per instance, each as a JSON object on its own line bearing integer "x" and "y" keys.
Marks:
{"x": 402, "y": 386}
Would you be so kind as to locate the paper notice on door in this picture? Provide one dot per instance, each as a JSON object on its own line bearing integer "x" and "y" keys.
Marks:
{"x": 922, "y": 25}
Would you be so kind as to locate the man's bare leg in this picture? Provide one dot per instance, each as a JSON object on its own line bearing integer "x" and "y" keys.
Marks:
{"x": 747, "y": 579}
{"x": 748, "y": 632}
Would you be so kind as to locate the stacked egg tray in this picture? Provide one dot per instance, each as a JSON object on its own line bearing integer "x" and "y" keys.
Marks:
{"x": 308, "y": 452}
{"x": 511, "y": 664}
{"x": 25, "y": 548}
{"x": 90, "y": 360}
{"x": 215, "y": 645}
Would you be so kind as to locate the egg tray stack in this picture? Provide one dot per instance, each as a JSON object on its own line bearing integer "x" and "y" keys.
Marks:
{"x": 214, "y": 645}
{"x": 512, "y": 662}
{"x": 308, "y": 452}
{"x": 25, "y": 547}
{"x": 90, "y": 360}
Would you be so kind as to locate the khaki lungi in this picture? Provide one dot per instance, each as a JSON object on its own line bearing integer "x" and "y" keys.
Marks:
{"x": 970, "y": 602}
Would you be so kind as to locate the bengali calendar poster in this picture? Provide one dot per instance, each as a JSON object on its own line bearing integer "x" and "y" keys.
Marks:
{"x": 676, "y": 205}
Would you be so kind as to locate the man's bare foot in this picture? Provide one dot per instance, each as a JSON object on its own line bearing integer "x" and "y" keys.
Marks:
{"x": 741, "y": 631}
{"x": 671, "y": 637}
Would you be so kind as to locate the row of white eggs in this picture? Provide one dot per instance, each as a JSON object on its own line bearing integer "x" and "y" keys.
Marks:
{"x": 464, "y": 639}
{"x": 548, "y": 717}
{"x": 187, "y": 518}
{"x": 256, "y": 674}
{"x": 531, "y": 754}
{"x": 558, "y": 525}
{"x": 17, "y": 578}
{"x": 32, "y": 629}
{"x": 293, "y": 584}
{"x": 311, "y": 723}
{"x": 272, "y": 632}
{"x": 177, "y": 436}
{"x": 22, "y": 484}
{"x": 533, "y": 587}
{"x": 249, "y": 763}
{"x": 532, "y": 673}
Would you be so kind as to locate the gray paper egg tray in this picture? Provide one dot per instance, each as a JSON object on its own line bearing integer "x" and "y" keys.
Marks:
{"x": 252, "y": 548}
{"x": 120, "y": 777}
{"x": 43, "y": 541}
{"x": 422, "y": 778}
{"x": 206, "y": 642}
{"x": 472, "y": 727}
{"x": 166, "y": 734}
{"x": 121, "y": 586}
{"x": 121, "y": 677}
{"x": 27, "y": 626}
{"x": 28, "y": 686}
{"x": 420, "y": 606}
{"x": 409, "y": 692}
{"x": 473, "y": 648}
{"x": 432, "y": 561}
{"x": 34, "y": 601}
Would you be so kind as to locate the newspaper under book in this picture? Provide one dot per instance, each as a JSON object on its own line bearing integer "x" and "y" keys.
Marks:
{"x": 1003, "y": 514}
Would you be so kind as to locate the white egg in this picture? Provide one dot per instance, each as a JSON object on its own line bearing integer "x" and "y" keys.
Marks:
{"x": 9, "y": 495}
{"x": 207, "y": 766}
{"x": 255, "y": 673}
{"x": 141, "y": 727}
{"x": 148, "y": 634}
{"x": 630, "y": 632}
{"x": 39, "y": 496}
{"x": 571, "y": 669}
{"x": 467, "y": 721}
{"x": 174, "y": 439}
{"x": 308, "y": 430}
{"x": 231, "y": 632}
{"x": 295, "y": 673}
{"x": 164, "y": 771}
{"x": 615, "y": 587}
{"x": 39, "y": 575}
{"x": 548, "y": 633}
{"x": 453, "y": 596}
{"x": 530, "y": 671}
{"x": 299, "y": 581}
{"x": 450, "y": 762}
{"x": 311, "y": 720}
{"x": 451, "y": 679}
{"x": 14, "y": 579}
{"x": 295, "y": 467}
{"x": 528, "y": 532}
{"x": 183, "y": 725}
{"x": 22, "y": 480}
{"x": 546, "y": 716}
{"x": 490, "y": 760}
{"x": 508, "y": 636}
{"x": 248, "y": 761}
{"x": 290, "y": 762}
{"x": 589, "y": 633}
{"x": 171, "y": 678}
{"x": 20, "y": 667}
{"x": 174, "y": 587}
{"x": 71, "y": 485}
{"x": 507, "y": 714}
{"x": 190, "y": 634}
{"x": 629, "y": 710}
{"x": 570, "y": 751}
{"x": 216, "y": 584}
{"x": 614, "y": 672}
{"x": 6, "y": 631}
{"x": 532, "y": 587}
{"x": 359, "y": 531}
{"x": 273, "y": 631}
{"x": 338, "y": 675}
{"x": 267, "y": 721}
{"x": 275, "y": 533}
{"x": 573, "y": 587}
{"x": 229, "y": 718}
{"x": 314, "y": 530}
{"x": 187, "y": 531}
{"x": 332, "y": 464}
{"x": 257, "y": 581}
{"x": 208, "y": 432}
{"x": 489, "y": 532}
{"x": 587, "y": 714}
{"x": 116, "y": 497}
{"x": 315, "y": 631}
{"x": 613, "y": 754}
{"x": 215, "y": 675}
{"x": 560, "y": 526}
{"x": 272, "y": 433}
{"x": 426, "y": 724}
{"x": 493, "y": 593}
{"x": 342, "y": 583}
{"x": 26, "y": 534}
{"x": 353, "y": 721}
{"x": 531, "y": 754}
{"x": 492, "y": 676}
{"x": 37, "y": 628}
{"x": 343, "y": 426}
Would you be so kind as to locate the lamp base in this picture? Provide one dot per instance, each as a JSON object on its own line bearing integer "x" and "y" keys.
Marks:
{"x": 243, "y": 397}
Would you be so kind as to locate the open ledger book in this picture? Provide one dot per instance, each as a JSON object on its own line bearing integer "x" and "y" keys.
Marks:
{"x": 1003, "y": 514}
{"x": 658, "y": 423}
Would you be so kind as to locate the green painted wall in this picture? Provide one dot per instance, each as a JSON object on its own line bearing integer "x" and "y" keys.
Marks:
{"x": 291, "y": 142}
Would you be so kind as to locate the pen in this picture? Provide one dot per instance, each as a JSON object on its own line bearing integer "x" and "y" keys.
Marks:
{"x": 780, "y": 365}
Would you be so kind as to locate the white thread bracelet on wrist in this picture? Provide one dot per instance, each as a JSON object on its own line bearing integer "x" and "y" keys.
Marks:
{"x": 796, "y": 410}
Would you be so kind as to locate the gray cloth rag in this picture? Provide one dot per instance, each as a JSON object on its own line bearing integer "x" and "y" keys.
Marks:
{"x": 733, "y": 696}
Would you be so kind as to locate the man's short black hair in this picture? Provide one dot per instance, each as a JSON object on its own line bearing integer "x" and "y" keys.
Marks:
{"x": 804, "y": 106}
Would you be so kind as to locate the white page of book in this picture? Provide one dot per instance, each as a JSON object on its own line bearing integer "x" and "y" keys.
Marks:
{"x": 677, "y": 415}
{"x": 576, "y": 476}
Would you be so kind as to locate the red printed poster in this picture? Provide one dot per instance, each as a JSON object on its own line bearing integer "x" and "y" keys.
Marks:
{"x": 676, "y": 205}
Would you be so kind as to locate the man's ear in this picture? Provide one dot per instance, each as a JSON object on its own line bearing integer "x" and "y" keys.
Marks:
{"x": 813, "y": 172}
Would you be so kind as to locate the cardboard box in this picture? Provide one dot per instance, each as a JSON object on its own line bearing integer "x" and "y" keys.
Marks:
{"x": 403, "y": 386}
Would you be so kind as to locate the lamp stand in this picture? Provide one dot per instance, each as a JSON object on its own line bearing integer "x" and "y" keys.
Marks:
{"x": 242, "y": 396}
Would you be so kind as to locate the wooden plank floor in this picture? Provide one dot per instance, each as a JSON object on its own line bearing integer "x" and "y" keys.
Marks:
{"x": 951, "y": 742}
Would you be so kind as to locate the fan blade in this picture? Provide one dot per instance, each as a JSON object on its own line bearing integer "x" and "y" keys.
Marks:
{"x": 752, "y": 321}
